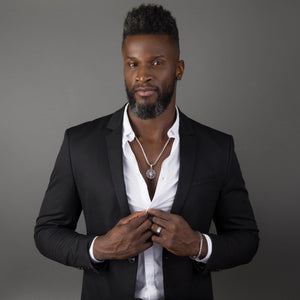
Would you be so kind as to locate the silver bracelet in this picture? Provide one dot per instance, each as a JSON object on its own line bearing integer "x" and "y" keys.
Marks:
{"x": 200, "y": 249}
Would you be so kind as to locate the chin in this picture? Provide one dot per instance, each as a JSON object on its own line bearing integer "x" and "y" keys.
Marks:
{"x": 144, "y": 100}
{"x": 148, "y": 110}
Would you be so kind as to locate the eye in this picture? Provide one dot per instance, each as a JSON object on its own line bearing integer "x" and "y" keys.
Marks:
{"x": 132, "y": 65}
{"x": 156, "y": 63}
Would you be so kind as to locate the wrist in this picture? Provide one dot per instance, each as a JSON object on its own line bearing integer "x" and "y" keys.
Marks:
{"x": 194, "y": 249}
{"x": 98, "y": 249}
{"x": 202, "y": 247}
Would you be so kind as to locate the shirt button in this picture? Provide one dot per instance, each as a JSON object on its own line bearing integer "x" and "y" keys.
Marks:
{"x": 131, "y": 260}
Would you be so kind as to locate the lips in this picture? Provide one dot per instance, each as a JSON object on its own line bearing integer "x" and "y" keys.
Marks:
{"x": 145, "y": 91}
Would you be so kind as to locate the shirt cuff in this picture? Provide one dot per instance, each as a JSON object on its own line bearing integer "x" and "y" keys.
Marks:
{"x": 209, "y": 250}
{"x": 94, "y": 260}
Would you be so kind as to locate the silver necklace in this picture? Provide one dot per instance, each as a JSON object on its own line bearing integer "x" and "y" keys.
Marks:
{"x": 151, "y": 173}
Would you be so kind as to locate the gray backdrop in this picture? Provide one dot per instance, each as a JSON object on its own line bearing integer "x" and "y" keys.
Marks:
{"x": 60, "y": 65}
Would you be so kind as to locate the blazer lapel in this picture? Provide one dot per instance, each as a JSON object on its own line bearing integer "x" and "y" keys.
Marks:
{"x": 187, "y": 162}
{"x": 115, "y": 157}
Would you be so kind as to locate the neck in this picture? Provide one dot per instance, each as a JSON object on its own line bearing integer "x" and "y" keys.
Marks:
{"x": 153, "y": 130}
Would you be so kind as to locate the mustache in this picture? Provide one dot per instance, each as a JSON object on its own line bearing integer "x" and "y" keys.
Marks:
{"x": 144, "y": 86}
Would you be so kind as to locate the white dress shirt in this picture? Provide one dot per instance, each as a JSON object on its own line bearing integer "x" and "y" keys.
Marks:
{"x": 149, "y": 279}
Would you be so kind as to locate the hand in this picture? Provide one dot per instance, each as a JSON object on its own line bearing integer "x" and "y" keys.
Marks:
{"x": 176, "y": 235}
{"x": 130, "y": 236}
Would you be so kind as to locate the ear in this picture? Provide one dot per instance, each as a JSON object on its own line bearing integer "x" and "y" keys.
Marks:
{"x": 179, "y": 69}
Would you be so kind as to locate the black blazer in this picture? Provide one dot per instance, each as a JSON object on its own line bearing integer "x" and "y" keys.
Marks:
{"x": 88, "y": 177}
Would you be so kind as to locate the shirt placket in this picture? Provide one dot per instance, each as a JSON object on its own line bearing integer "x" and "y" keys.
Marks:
{"x": 152, "y": 257}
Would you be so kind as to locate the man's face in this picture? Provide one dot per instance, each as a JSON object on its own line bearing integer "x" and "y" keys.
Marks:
{"x": 151, "y": 66}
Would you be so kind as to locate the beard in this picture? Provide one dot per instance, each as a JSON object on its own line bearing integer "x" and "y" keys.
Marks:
{"x": 151, "y": 110}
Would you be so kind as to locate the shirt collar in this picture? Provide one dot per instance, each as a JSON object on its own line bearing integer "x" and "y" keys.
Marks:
{"x": 128, "y": 133}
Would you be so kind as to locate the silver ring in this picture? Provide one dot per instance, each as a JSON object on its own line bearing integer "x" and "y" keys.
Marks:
{"x": 158, "y": 230}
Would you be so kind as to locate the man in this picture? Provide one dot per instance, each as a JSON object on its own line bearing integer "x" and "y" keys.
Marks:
{"x": 149, "y": 181}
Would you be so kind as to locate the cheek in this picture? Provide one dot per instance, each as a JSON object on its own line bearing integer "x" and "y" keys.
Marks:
{"x": 167, "y": 75}
{"x": 168, "y": 80}
{"x": 129, "y": 77}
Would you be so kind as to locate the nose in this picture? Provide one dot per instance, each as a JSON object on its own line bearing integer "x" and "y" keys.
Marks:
{"x": 143, "y": 75}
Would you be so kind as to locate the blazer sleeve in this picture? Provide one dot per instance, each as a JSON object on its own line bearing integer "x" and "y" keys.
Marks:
{"x": 54, "y": 233}
{"x": 237, "y": 239}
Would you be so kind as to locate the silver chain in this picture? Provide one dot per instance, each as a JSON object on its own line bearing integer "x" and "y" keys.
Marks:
{"x": 160, "y": 154}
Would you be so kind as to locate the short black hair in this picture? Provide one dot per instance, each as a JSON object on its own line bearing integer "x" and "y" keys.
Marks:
{"x": 150, "y": 19}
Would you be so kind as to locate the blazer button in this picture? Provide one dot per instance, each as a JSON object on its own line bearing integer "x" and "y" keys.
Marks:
{"x": 131, "y": 260}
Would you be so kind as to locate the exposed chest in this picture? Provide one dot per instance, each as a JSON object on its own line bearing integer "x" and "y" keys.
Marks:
{"x": 152, "y": 152}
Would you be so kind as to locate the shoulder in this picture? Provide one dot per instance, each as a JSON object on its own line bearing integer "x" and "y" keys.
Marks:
{"x": 91, "y": 125}
{"x": 203, "y": 132}
{"x": 97, "y": 126}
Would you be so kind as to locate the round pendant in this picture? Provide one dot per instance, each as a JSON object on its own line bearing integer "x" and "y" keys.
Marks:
{"x": 151, "y": 174}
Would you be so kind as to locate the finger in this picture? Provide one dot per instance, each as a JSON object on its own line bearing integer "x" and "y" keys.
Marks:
{"x": 138, "y": 217}
{"x": 146, "y": 236}
{"x": 158, "y": 240}
{"x": 156, "y": 229}
{"x": 135, "y": 215}
{"x": 145, "y": 246}
{"x": 160, "y": 222}
{"x": 138, "y": 221}
{"x": 145, "y": 226}
{"x": 159, "y": 213}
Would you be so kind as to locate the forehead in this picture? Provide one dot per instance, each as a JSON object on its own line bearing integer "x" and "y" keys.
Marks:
{"x": 149, "y": 45}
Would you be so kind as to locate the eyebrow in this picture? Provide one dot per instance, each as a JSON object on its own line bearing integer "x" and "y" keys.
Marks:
{"x": 153, "y": 57}
{"x": 158, "y": 56}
